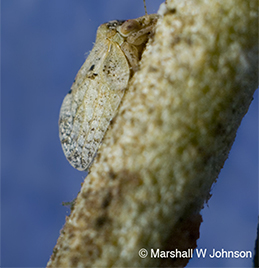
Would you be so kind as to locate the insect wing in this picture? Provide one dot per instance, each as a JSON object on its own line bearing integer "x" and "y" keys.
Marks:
{"x": 91, "y": 104}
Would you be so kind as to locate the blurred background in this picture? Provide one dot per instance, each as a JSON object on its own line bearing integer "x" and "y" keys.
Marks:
{"x": 44, "y": 43}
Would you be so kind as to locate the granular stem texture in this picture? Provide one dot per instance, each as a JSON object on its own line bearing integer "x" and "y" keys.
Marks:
{"x": 165, "y": 148}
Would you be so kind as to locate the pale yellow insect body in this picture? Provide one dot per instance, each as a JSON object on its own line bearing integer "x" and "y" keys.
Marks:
{"x": 96, "y": 93}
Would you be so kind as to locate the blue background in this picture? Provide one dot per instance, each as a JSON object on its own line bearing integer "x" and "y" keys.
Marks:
{"x": 43, "y": 46}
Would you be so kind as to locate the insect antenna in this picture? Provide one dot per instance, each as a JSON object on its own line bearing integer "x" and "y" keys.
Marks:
{"x": 145, "y": 7}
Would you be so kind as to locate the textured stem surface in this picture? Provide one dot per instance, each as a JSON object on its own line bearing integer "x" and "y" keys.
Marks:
{"x": 170, "y": 139}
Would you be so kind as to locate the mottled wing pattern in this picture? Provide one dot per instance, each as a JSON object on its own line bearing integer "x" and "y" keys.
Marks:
{"x": 92, "y": 103}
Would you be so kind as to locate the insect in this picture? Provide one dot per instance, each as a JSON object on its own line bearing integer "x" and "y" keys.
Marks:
{"x": 99, "y": 86}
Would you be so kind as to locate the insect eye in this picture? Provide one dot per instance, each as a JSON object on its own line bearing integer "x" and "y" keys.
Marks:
{"x": 129, "y": 26}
